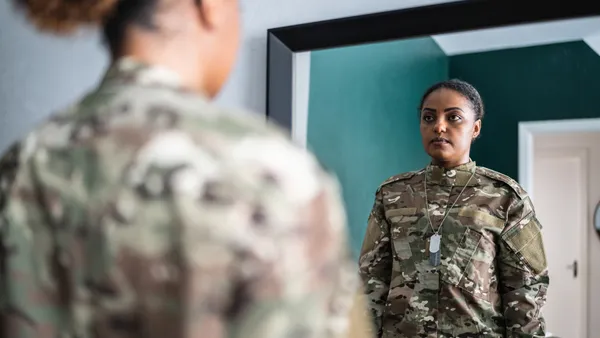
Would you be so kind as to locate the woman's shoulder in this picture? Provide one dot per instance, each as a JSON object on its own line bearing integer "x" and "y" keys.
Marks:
{"x": 508, "y": 182}
{"x": 405, "y": 177}
{"x": 157, "y": 109}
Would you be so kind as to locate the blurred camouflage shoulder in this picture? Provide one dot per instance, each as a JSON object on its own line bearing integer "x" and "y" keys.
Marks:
{"x": 114, "y": 125}
{"x": 9, "y": 164}
{"x": 168, "y": 108}
{"x": 509, "y": 182}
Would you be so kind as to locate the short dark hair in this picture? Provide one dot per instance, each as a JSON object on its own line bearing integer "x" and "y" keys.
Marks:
{"x": 463, "y": 88}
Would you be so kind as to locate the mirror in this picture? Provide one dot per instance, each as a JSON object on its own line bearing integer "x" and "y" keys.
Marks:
{"x": 350, "y": 90}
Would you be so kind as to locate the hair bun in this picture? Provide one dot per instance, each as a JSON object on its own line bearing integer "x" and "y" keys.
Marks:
{"x": 65, "y": 16}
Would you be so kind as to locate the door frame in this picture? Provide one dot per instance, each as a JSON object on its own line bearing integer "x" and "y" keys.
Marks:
{"x": 527, "y": 132}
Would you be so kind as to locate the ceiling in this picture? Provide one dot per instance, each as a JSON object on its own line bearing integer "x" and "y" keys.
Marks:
{"x": 587, "y": 29}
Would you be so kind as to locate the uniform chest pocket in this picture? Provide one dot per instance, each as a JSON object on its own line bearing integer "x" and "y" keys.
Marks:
{"x": 406, "y": 226}
{"x": 471, "y": 264}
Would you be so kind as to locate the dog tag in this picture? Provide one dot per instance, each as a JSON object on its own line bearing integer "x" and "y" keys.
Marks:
{"x": 435, "y": 258}
{"x": 434, "y": 243}
{"x": 434, "y": 250}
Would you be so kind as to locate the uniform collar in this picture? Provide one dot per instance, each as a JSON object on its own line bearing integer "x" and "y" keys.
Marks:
{"x": 458, "y": 176}
{"x": 128, "y": 71}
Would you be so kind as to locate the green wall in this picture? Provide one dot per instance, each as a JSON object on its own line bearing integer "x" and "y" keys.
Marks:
{"x": 363, "y": 115}
{"x": 558, "y": 81}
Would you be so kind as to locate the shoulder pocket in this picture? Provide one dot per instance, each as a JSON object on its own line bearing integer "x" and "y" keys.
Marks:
{"x": 525, "y": 239}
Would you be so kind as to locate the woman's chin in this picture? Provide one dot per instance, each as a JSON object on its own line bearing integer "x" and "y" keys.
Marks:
{"x": 440, "y": 156}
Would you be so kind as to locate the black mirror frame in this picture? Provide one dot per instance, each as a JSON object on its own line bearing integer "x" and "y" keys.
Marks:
{"x": 284, "y": 42}
{"x": 596, "y": 218}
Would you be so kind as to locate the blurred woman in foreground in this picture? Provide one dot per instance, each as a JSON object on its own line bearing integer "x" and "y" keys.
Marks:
{"x": 145, "y": 211}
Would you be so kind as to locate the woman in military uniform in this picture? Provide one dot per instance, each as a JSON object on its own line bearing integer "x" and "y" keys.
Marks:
{"x": 454, "y": 249}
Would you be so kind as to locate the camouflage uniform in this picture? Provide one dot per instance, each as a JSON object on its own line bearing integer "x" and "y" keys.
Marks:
{"x": 493, "y": 279}
{"x": 145, "y": 211}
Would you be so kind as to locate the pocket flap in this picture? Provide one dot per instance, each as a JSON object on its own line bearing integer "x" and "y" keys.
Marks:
{"x": 481, "y": 218}
{"x": 401, "y": 214}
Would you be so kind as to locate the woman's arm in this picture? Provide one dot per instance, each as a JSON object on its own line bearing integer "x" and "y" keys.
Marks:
{"x": 376, "y": 262}
{"x": 522, "y": 265}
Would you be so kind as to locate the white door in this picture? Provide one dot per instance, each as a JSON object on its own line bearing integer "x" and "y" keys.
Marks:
{"x": 566, "y": 188}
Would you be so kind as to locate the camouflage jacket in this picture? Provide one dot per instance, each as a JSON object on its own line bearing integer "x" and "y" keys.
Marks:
{"x": 145, "y": 211}
{"x": 492, "y": 280}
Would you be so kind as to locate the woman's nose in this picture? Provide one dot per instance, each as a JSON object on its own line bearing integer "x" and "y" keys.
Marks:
{"x": 439, "y": 127}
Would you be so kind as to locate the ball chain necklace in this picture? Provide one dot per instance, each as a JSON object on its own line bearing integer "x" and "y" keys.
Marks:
{"x": 435, "y": 239}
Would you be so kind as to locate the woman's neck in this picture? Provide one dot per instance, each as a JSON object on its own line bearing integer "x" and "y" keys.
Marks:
{"x": 450, "y": 164}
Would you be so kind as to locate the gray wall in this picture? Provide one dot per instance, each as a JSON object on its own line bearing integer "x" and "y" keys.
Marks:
{"x": 39, "y": 73}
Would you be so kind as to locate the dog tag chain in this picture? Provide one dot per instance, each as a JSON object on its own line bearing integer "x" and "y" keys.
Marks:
{"x": 435, "y": 241}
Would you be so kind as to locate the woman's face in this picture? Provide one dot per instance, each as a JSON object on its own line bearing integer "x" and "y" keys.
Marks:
{"x": 448, "y": 126}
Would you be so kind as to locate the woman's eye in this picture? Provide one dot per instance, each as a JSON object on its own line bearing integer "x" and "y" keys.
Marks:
{"x": 427, "y": 118}
{"x": 455, "y": 118}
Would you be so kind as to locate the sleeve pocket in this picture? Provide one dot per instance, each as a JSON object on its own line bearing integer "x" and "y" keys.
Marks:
{"x": 526, "y": 241}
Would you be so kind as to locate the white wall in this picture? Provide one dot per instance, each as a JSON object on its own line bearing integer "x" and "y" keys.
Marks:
{"x": 39, "y": 73}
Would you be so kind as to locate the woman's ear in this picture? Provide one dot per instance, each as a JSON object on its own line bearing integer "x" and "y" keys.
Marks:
{"x": 211, "y": 12}
{"x": 477, "y": 129}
